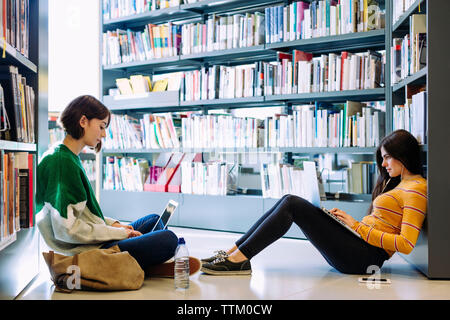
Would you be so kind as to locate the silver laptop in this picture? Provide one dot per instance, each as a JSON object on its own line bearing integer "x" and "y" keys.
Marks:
{"x": 313, "y": 194}
{"x": 167, "y": 214}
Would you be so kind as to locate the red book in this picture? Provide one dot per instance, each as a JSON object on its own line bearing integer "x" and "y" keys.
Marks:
{"x": 281, "y": 56}
{"x": 298, "y": 56}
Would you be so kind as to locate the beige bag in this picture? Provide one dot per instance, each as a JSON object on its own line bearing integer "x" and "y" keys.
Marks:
{"x": 96, "y": 269}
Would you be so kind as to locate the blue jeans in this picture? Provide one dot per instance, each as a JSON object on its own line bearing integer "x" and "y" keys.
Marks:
{"x": 151, "y": 248}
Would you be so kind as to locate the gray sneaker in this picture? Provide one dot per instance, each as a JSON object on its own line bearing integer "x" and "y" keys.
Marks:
{"x": 218, "y": 254}
{"x": 223, "y": 266}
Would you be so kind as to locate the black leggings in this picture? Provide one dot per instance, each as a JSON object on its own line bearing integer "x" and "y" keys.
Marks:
{"x": 340, "y": 248}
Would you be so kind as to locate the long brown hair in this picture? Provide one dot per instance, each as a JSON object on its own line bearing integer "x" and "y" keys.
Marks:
{"x": 83, "y": 106}
{"x": 402, "y": 146}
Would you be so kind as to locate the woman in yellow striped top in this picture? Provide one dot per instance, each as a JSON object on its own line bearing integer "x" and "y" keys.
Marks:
{"x": 398, "y": 211}
{"x": 393, "y": 223}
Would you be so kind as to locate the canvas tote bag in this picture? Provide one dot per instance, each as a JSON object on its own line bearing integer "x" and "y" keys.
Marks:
{"x": 96, "y": 269}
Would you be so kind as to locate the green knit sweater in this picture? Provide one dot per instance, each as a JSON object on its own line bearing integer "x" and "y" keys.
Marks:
{"x": 69, "y": 216}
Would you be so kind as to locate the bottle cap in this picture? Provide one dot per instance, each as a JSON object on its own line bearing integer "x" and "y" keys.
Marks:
{"x": 181, "y": 241}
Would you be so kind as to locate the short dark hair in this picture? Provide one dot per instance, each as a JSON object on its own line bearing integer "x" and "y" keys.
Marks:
{"x": 85, "y": 105}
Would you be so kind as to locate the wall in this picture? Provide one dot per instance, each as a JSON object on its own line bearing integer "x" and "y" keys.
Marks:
{"x": 73, "y": 51}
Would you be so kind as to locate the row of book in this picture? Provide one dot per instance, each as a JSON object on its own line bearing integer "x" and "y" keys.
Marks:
{"x": 155, "y": 41}
{"x": 299, "y": 179}
{"x": 125, "y": 173}
{"x": 152, "y": 131}
{"x": 351, "y": 124}
{"x": 17, "y": 106}
{"x": 113, "y": 9}
{"x": 280, "y": 179}
{"x": 222, "y": 82}
{"x": 212, "y": 178}
{"x": 15, "y": 24}
{"x": 400, "y": 7}
{"x": 221, "y": 131}
{"x": 224, "y": 32}
{"x": 89, "y": 168}
{"x": 409, "y": 54}
{"x": 164, "y": 174}
{"x": 299, "y": 20}
{"x": 186, "y": 173}
{"x": 304, "y": 20}
{"x": 412, "y": 116}
{"x": 292, "y": 73}
{"x": 16, "y": 192}
{"x": 299, "y": 72}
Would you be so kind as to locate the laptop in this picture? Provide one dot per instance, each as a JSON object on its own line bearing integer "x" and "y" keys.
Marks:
{"x": 167, "y": 214}
{"x": 312, "y": 193}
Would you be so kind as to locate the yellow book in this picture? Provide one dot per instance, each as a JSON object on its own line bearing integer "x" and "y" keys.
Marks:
{"x": 161, "y": 85}
{"x": 365, "y": 16}
{"x": 139, "y": 84}
{"x": 149, "y": 83}
{"x": 124, "y": 86}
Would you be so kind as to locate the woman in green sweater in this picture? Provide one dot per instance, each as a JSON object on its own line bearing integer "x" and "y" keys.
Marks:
{"x": 69, "y": 216}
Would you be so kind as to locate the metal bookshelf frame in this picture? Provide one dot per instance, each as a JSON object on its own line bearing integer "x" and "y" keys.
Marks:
{"x": 19, "y": 260}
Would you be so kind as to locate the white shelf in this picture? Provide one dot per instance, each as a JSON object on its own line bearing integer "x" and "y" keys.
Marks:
{"x": 7, "y": 241}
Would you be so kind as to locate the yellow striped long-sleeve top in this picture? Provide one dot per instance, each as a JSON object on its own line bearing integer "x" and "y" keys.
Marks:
{"x": 397, "y": 217}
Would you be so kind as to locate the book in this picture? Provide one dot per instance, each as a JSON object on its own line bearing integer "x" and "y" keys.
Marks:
{"x": 160, "y": 85}
{"x": 19, "y": 103}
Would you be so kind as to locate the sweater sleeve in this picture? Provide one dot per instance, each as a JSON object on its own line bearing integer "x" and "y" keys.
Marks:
{"x": 79, "y": 228}
{"x": 65, "y": 197}
{"x": 414, "y": 210}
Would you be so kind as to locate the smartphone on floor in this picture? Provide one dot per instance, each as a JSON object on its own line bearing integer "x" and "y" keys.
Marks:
{"x": 374, "y": 280}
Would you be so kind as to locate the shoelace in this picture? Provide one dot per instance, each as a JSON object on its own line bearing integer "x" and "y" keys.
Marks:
{"x": 219, "y": 260}
{"x": 220, "y": 253}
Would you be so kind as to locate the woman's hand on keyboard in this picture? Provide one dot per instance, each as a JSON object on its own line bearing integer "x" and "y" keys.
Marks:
{"x": 344, "y": 216}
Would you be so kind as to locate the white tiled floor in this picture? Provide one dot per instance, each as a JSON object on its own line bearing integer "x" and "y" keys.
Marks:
{"x": 288, "y": 269}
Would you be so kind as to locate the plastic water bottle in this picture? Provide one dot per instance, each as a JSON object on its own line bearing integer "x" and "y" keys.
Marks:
{"x": 181, "y": 265}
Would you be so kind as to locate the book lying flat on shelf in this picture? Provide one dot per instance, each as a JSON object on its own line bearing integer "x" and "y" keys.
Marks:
{"x": 161, "y": 85}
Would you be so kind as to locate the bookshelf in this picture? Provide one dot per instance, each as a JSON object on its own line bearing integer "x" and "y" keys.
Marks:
{"x": 19, "y": 251}
{"x": 430, "y": 255}
{"x": 236, "y": 213}
{"x": 233, "y": 213}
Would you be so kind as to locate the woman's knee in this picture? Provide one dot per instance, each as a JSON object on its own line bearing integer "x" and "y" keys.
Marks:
{"x": 295, "y": 200}
{"x": 170, "y": 240}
